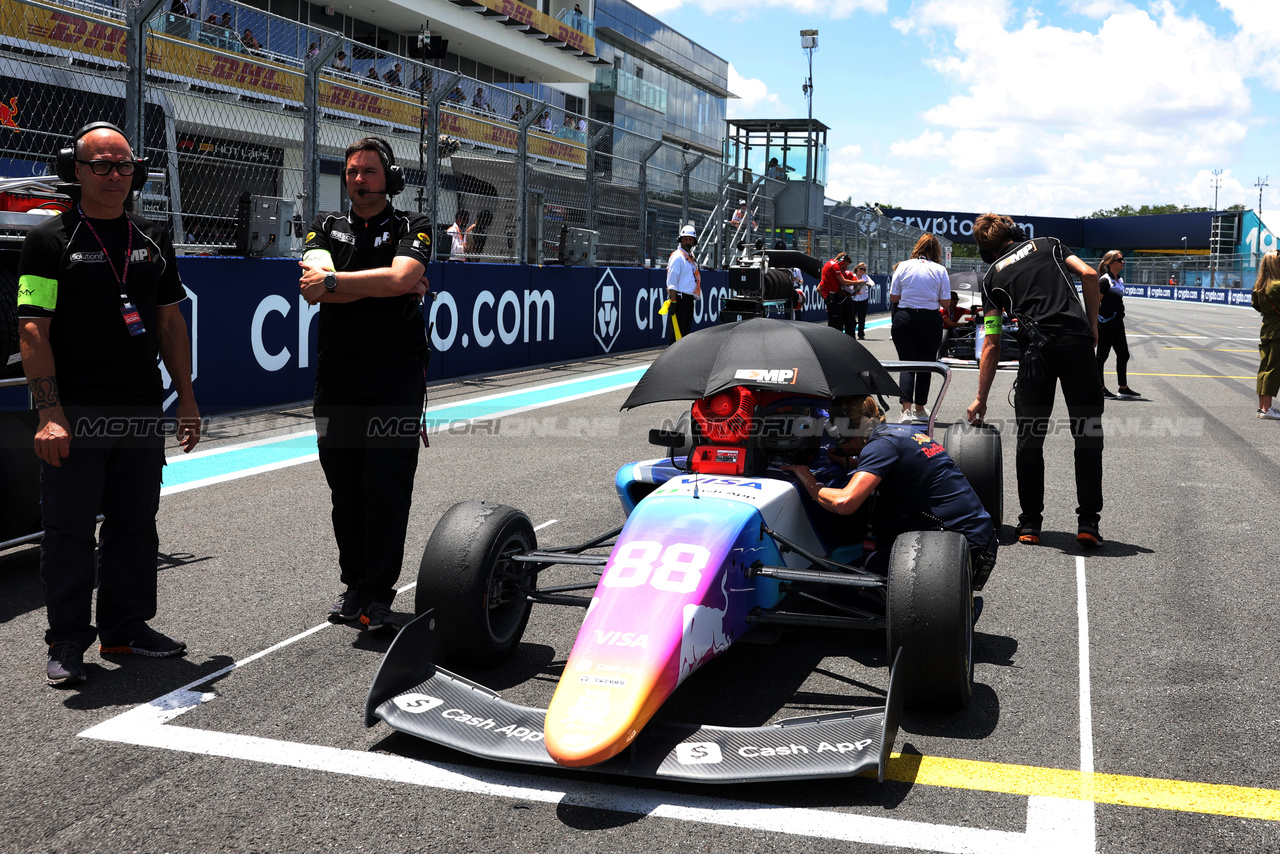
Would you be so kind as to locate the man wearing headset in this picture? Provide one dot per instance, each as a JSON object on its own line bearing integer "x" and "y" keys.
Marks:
{"x": 366, "y": 269}
{"x": 98, "y": 298}
{"x": 684, "y": 285}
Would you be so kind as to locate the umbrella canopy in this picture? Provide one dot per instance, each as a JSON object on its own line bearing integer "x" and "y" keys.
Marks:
{"x": 764, "y": 353}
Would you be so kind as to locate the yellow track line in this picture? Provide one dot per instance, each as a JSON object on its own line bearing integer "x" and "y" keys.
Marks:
{"x": 1154, "y": 793}
{"x": 1192, "y": 376}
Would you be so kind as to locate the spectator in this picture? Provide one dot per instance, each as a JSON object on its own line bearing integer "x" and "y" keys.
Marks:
{"x": 185, "y": 8}
{"x": 249, "y": 41}
{"x": 544, "y": 121}
{"x": 478, "y": 101}
{"x": 313, "y": 49}
{"x": 226, "y": 21}
{"x": 1266, "y": 301}
{"x": 518, "y": 113}
{"x": 576, "y": 17}
{"x": 775, "y": 170}
{"x": 393, "y": 76}
{"x": 340, "y": 62}
{"x": 373, "y": 74}
{"x": 457, "y": 96}
{"x": 458, "y": 234}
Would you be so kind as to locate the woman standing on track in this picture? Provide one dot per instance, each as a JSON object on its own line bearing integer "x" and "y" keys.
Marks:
{"x": 920, "y": 287}
{"x": 1111, "y": 323}
{"x": 1266, "y": 301}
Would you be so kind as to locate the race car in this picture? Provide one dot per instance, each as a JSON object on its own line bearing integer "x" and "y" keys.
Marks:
{"x": 717, "y": 542}
{"x": 962, "y": 344}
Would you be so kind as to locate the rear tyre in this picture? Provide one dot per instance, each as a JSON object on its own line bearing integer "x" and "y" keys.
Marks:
{"x": 478, "y": 593}
{"x": 930, "y": 618}
{"x": 978, "y": 452}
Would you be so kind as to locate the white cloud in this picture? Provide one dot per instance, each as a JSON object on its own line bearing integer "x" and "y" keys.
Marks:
{"x": 754, "y": 98}
{"x": 1255, "y": 43}
{"x": 1062, "y": 121}
{"x": 836, "y": 9}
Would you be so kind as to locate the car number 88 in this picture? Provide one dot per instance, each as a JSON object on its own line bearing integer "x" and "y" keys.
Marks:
{"x": 679, "y": 566}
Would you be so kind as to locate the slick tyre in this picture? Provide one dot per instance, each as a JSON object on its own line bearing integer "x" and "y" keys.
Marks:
{"x": 930, "y": 618}
{"x": 978, "y": 452}
{"x": 479, "y": 594}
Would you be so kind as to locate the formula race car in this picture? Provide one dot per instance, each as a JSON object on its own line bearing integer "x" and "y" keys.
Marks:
{"x": 962, "y": 344}
{"x": 717, "y": 542}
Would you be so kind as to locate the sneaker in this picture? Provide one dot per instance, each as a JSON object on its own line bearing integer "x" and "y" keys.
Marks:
{"x": 1089, "y": 536}
{"x": 66, "y": 664}
{"x": 146, "y": 642}
{"x": 908, "y": 418}
{"x": 920, "y": 418}
{"x": 1272, "y": 414}
{"x": 378, "y": 616}
{"x": 1108, "y": 394}
{"x": 1028, "y": 536}
{"x": 1262, "y": 413}
{"x": 1125, "y": 391}
{"x": 344, "y": 608}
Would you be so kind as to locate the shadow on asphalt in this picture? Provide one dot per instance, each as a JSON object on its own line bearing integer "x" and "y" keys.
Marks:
{"x": 138, "y": 679}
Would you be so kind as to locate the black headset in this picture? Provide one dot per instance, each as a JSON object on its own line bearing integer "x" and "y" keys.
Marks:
{"x": 394, "y": 174}
{"x": 66, "y": 163}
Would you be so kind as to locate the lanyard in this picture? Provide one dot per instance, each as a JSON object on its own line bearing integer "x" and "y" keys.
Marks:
{"x": 120, "y": 278}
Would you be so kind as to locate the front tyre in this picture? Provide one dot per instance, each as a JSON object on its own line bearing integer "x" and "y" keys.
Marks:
{"x": 930, "y": 618}
{"x": 478, "y": 592}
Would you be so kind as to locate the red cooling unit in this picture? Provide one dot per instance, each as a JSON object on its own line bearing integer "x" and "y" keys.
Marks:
{"x": 724, "y": 420}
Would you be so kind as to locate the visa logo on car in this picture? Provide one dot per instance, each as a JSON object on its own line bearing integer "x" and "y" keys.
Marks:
{"x": 712, "y": 481}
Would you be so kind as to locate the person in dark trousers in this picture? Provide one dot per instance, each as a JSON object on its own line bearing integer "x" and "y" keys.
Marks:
{"x": 684, "y": 285}
{"x": 920, "y": 287}
{"x": 1111, "y": 324}
{"x": 920, "y": 486}
{"x": 97, "y": 304}
{"x": 860, "y": 297}
{"x": 832, "y": 284}
{"x": 1032, "y": 280}
{"x": 366, "y": 270}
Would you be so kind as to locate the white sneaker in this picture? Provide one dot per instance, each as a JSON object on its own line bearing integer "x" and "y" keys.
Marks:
{"x": 1272, "y": 414}
{"x": 908, "y": 418}
{"x": 921, "y": 418}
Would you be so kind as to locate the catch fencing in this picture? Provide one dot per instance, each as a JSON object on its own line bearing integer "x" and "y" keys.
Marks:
{"x": 237, "y": 102}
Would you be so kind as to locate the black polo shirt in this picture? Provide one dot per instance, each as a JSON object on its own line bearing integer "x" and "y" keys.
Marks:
{"x": 373, "y": 334}
{"x": 1031, "y": 280}
{"x": 65, "y": 275}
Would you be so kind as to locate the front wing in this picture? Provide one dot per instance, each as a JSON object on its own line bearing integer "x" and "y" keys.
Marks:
{"x": 416, "y": 697}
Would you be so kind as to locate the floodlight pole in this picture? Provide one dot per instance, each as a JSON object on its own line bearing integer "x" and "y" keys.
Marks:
{"x": 809, "y": 43}
{"x": 1262, "y": 182}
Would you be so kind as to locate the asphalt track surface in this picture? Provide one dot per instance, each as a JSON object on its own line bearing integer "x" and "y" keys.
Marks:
{"x": 1125, "y": 698}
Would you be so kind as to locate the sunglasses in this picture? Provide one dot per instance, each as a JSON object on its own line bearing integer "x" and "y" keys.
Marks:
{"x": 104, "y": 167}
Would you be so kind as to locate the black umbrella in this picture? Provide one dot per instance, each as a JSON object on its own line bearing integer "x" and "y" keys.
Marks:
{"x": 764, "y": 353}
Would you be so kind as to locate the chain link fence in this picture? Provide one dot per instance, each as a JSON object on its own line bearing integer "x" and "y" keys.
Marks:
{"x": 235, "y": 103}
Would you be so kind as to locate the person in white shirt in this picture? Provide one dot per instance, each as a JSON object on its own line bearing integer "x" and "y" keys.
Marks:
{"x": 458, "y": 234}
{"x": 861, "y": 293}
{"x": 684, "y": 285}
{"x": 740, "y": 215}
{"x": 920, "y": 287}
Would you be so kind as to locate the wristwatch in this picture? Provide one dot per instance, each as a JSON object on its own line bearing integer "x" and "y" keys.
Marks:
{"x": 330, "y": 281}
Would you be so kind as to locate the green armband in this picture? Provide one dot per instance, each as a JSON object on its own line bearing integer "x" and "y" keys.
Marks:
{"x": 992, "y": 324}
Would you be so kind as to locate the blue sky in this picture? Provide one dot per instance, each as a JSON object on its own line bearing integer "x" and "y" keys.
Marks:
{"x": 1051, "y": 108}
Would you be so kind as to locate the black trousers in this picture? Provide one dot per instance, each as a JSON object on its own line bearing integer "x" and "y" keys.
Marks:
{"x": 917, "y": 334}
{"x": 840, "y": 313}
{"x": 860, "y": 316}
{"x": 1111, "y": 336}
{"x": 682, "y": 312}
{"x": 114, "y": 468}
{"x": 368, "y": 438}
{"x": 1072, "y": 365}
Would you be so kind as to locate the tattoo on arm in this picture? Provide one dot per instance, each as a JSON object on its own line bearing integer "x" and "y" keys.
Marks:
{"x": 44, "y": 390}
